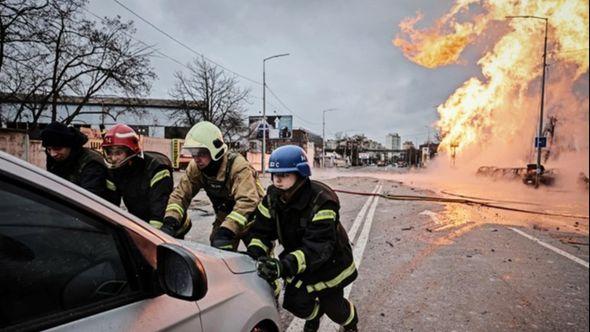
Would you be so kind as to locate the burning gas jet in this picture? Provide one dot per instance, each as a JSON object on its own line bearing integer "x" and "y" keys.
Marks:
{"x": 500, "y": 108}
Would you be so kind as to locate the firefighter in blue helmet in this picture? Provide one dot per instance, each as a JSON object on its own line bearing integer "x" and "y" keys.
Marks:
{"x": 317, "y": 261}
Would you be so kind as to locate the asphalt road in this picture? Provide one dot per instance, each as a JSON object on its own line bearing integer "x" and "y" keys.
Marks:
{"x": 427, "y": 266}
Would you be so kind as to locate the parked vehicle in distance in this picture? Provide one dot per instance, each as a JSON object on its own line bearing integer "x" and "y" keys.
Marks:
{"x": 400, "y": 164}
{"x": 72, "y": 261}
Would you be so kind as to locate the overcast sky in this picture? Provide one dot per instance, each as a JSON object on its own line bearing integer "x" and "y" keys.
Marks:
{"x": 341, "y": 56}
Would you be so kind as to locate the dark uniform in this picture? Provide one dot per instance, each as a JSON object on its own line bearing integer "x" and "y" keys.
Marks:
{"x": 316, "y": 246}
{"x": 145, "y": 184}
{"x": 83, "y": 167}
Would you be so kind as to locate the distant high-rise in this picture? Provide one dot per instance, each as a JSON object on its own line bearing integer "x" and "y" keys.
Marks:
{"x": 393, "y": 141}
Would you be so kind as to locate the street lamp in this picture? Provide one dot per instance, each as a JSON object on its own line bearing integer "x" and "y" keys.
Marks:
{"x": 540, "y": 132}
{"x": 264, "y": 124}
{"x": 324, "y": 135}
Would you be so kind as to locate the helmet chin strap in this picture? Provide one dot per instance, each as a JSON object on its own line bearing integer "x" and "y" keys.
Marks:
{"x": 123, "y": 162}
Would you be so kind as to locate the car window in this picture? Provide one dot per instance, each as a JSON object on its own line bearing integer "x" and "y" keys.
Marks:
{"x": 54, "y": 261}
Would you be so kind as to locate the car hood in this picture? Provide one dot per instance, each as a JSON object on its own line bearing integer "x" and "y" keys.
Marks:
{"x": 236, "y": 262}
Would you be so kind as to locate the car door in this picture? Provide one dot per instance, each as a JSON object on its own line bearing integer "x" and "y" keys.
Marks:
{"x": 65, "y": 268}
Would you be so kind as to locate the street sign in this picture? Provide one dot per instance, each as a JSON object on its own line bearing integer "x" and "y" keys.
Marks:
{"x": 540, "y": 142}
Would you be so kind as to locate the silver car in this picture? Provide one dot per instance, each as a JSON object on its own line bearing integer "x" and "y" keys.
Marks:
{"x": 72, "y": 261}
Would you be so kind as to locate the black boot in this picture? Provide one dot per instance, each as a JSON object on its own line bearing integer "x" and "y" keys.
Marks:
{"x": 349, "y": 328}
{"x": 312, "y": 325}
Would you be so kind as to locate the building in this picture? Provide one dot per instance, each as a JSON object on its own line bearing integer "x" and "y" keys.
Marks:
{"x": 149, "y": 117}
{"x": 393, "y": 141}
{"x": 408, "y": 145}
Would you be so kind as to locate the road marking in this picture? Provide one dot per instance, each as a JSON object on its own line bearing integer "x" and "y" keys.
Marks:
{"x": 548, "y": 246}
{"x": 297, "y": 323}
{"x": 432, "y": 216}
{"x": 357, "y": 253}
{"x": 359, "y": 248}
{"x": 359, "y": 217}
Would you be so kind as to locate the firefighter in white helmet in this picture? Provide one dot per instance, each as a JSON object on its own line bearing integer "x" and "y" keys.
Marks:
{"x": 228, "y": 179}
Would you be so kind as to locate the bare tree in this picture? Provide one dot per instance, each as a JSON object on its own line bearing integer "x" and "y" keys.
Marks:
{"x": 18, "y": 19}
{"x": 223, "y": 101}
{"x": 77, "y": 57}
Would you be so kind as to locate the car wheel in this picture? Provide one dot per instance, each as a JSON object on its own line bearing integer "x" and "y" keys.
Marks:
{"x": 265, "y": 326}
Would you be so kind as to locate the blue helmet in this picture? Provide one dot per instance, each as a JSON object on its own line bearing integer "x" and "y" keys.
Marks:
{"x": 289, "y": 159}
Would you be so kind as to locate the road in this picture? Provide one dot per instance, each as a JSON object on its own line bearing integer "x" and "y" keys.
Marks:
{"x": 427, "y": 266}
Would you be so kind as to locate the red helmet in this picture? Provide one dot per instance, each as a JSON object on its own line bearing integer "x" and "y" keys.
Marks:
{"x": 122, "y": 135}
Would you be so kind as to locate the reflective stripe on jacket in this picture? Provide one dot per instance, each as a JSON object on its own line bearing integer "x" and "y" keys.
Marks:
{"x": 309, "y": 229}
{"x": 234, "y": 192}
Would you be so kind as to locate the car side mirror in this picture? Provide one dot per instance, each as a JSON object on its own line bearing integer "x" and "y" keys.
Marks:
{"x": 180, "y": 273}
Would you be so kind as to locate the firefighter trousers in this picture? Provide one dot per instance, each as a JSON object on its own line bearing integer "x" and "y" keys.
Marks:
{"x": 311, "y": 306}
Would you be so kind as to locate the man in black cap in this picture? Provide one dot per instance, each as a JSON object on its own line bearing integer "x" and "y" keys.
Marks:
{"x": 67, "y": 158}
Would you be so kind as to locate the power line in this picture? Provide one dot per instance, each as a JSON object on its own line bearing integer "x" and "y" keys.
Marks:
{"x": 183, "y": 44}
{"x": 288, "y": 109}
{"x": 141, "y": 41}
{"x": 195, "y": 52}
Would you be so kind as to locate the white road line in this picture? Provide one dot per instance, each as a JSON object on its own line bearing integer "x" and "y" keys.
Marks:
{"x": 359, "y": 217}
{"x": 548, "y": 246}
{"x": 357, "y": 253}
{"x": 297, "y": 323}
{"x": 432, "y": 216}
{"x": 361, "y": 243}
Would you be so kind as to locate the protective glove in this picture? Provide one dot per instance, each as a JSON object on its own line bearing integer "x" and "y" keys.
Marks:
{"x": 170, "y": 226}
{"x": 269, "y": 268}
{"x": 223, "y": 239}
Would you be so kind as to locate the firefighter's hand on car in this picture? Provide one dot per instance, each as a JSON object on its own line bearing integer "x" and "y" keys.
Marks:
{"x": 224, "y": 239}
{"x": 170, "y": 226}
{"x": 269, "y": 268}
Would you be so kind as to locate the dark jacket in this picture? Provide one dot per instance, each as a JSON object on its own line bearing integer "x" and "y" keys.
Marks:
{"x": 317, "y": 250}
{"x": 145, "y": 184}
{"x": 85, "y": 168}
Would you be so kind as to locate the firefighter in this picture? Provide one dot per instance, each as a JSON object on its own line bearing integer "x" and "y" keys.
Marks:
{"x": 67, "y": 158}
{"x": 228, "y": 179}
{"x": 143, "y": 179}
{"x": 317, "y": 261}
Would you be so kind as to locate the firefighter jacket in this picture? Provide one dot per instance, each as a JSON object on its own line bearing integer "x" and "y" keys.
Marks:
{"x": 85, "y": 168}
{"x": 234, "y": 192}
{"x": 316, "y": 246}
{"x": 145, "y": 184}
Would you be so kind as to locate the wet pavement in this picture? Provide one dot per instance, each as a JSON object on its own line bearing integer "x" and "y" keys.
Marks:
{"x": 452, "y": 267}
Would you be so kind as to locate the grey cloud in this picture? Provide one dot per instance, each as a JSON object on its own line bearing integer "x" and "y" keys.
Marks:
{"x": 341, "y": 56}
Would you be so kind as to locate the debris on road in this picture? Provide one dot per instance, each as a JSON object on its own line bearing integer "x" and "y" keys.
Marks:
{"x": 407, "y": 228}
{"x": 540, "y": 228}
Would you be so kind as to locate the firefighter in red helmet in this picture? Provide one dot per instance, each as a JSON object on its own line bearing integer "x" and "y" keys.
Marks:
{"x": 143, "y": 179}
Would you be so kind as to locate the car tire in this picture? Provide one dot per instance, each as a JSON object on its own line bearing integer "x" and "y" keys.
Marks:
{"x": 265, "y": 327}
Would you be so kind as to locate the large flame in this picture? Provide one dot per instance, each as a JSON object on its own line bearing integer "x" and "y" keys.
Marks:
{"x": 501, "y": 107}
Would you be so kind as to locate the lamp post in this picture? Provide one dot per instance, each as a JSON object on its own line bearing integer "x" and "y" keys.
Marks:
{"x": 324, "y": 135}
{"x": 540, "y": 132}
{"x": 264, "y": 124}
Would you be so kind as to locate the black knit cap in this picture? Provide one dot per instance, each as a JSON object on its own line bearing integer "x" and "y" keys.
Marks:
{"x": 58, "y": 134}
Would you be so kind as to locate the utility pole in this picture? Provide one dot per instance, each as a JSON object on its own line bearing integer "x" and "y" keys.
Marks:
{"x": 540, "y": 131}
{"x": 324, "y": 135}
{"x": 539, "y": 148}
{"x": 264, "y": 124}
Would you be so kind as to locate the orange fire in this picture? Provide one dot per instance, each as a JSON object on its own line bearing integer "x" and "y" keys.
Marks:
{"x": 502, "y": 105}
